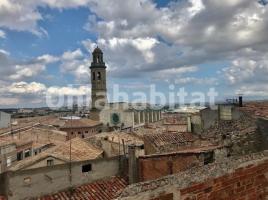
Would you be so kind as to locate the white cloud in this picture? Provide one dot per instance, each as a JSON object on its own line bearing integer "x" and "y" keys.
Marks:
{"x": 34, "y": 93}
{"x": 170, "y": 74}
{"x": 22, "y": 70}
{"x": 140, "y": 39}
{"x": 75, "y": 63}
{"x": 26, "y": 88}
{"x": 48, "y": 59}
{"x": 72, "y": 55}
{"x": 143, "y": 45}
{"x": 24, "y": 15}
{"x": 251, "y": 68}
{"x": 254, "y": 90}
{"x": 4, "y": 52}
{"x": 2, "y": 34}
{"x": 26, "y": 71}
{"x": 198, "y": 81}
{"x": 69, "y": 91}
{"x": 16, "y": 15}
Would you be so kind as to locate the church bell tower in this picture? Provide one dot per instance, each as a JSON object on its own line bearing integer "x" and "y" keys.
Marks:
{"x": 98, "y": 84}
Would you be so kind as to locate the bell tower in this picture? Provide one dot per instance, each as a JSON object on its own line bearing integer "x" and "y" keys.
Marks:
{"x": 98, "y": 83}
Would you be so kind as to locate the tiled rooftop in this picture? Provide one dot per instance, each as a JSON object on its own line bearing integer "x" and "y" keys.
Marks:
{"x": 187, "y": 150}
{"x": 81, "y": 151}
{"x": 36, "y": 135}
{"x": 10, "y": 140}
{"x": 258, "y": 109}
{"x": 169, "y": 142}
{"x": 169, "y": 138}
{"x": 80, "y": 123}
{"x": 100, "y": 190}
{"x": 117, "y": 137}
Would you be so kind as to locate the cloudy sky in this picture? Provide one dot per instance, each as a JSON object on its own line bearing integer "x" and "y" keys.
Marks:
{"x": 46, "y": 45}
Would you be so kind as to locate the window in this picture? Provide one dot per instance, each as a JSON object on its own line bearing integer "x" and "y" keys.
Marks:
{"x": 19, "y": 155}
{"x": 50, "y": 162}
{"x": 72, "y": 133}
{"x": 27, "y": 180}
{"x": 79, "y": 132}
{"x": 86, "y": 168}
{"x": 99, "y": 76}
{"x": 27, "y": 153}
{"x": 86, "y": 131}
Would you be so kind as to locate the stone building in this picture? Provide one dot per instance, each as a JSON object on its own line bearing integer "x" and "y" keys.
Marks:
{"x": 128, "y": 116}
{"x": 81, "y": 151}
{"x": 98, "y": 82}
{"x": 8, "y": 154}
{"x": 4, "y": 119}
{"x": 82, "y": 128}
{"x": 122, "y": 115}
{"x": 12, "y": 150}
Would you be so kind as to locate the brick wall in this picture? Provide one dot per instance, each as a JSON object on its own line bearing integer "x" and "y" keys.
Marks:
{"x": 238, "y": 178}
{"x": 250, "y": 182}
{"x": 153, "y": 167}
{"x": 164, "y": 197}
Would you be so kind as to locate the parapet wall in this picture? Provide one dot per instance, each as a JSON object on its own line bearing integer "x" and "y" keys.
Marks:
{"x": 237, "y": 178}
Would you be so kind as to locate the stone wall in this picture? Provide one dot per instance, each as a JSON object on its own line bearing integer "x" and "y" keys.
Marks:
{"x": 263, "y": 132}
{"x": 204, "y": 120}
{"x": 126, "y": 117}
{"x": 237, "y": 178}
{"x": 47, "y": 180}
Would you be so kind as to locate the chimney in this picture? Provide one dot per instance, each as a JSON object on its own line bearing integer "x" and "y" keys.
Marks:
{"x": 189, "y": 124}
{"x": 132, "y": 164}
{"x": 240, "y": 101}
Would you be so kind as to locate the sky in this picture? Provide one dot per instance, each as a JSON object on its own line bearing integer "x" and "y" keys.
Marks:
{"x": 46, "y": 46}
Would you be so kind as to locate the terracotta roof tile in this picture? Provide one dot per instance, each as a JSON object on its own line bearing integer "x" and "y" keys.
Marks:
{"x": 166, "y": 142}
{"x": 257, "y": 109}
{"x": 169, "y": 138}
{"x": 107, "y": 189}
{"x": 81, "y": 151}
{"x": 80, "y": 123}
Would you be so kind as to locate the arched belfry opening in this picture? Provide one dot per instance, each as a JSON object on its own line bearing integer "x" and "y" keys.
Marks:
{"x": 99, "y": 76}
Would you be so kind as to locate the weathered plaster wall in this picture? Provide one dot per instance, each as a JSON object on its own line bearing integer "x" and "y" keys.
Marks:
{"x": 46, "y": 180}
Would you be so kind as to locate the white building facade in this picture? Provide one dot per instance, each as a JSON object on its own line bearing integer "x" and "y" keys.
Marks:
{"x": 4, "y": 119}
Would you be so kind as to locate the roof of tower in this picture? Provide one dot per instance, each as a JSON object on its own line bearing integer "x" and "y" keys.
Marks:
{"x": 97, "y": 50}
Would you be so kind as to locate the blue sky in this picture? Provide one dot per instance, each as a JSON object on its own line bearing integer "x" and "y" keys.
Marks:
{"x": 46, "y": 45}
